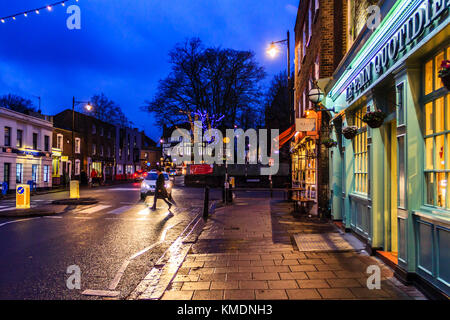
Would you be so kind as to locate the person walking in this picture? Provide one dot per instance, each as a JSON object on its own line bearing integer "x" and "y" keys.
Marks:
{"x": 160, "y": 190}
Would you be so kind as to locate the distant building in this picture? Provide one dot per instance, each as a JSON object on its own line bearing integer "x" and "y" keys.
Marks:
{"x": 25, "y": 148}
{"x": 98, "y": 139}
{"x": 62, "y": 156}
{"x": 128, "y": 150}
{"x": 150, "y": 153}
{"x": 167, "y": 143}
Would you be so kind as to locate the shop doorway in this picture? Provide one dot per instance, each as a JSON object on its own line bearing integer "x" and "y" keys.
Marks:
{"x": 390, "y": 194}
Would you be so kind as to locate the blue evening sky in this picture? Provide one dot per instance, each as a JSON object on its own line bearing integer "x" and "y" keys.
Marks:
{"x": 122, "y": 47}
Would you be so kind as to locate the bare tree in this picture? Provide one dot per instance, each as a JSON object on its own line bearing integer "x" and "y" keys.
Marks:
{"x": 107, "y": 110}
{"x": 218, "y": 86}
{"x": 16, "y": 103}
{"x": 277, "y": 103}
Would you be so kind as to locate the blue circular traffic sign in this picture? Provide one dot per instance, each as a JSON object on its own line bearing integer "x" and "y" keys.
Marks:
{"x": 20, "y": 190}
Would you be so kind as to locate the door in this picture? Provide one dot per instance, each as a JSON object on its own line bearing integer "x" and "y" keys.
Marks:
{"x": 390, "y": 193}
{"x": 7, "y": 174}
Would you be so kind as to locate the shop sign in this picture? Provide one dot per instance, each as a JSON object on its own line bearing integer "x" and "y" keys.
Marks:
{"x": 403, "y": 40}
{"x": 305, "y": 124}
{"x": 65, "y": 158}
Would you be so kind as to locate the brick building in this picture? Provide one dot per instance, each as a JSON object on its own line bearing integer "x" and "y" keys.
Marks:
{"x": 97, "y": 139}
{"x": 128, "y": 151}
{"x": 319, "y": 48}
{"x": 62, "y": 156}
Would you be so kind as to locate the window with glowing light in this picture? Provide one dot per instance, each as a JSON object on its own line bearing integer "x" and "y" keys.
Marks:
{"x": 436, "y": 133}
{"x": 361, "y": 158}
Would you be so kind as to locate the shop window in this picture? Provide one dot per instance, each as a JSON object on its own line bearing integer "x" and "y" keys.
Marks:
{"x": 46, "y": 173}
{"x": 55, "y": 167}
{"x": 436, "y": 133}
{"x": 34, "y": 173}
{"x": 361, "y": 154}
{"x": 19, "y": 172}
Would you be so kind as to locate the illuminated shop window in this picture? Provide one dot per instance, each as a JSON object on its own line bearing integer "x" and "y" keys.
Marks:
{"x": 361, "y": 154}
{"x": 436, "y": 133}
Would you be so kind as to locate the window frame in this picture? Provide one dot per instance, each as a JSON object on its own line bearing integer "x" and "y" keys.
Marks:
{"x": 432, "y": 98}
{"x": 7, "y": 143}
{"x": 19, "y": 142}
{"x": 361, "y": 154}
{"x": 77, "y": 145}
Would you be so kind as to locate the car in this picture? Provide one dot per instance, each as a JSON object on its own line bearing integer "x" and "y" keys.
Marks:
{"x": 173, "y": 172}
{"x": 140, "y": 175}
{"x": 149, "y": 183}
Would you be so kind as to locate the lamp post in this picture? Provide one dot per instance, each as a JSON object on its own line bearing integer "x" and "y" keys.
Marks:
{"x": 272, "y": 51}
{"x": 88, "y": 107}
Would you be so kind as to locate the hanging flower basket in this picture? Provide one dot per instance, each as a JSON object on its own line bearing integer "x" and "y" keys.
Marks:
{"x": 444, "y": 73}
{"x": 329, "y": 143}
{"x": 350, "y": 132}
{"x": 374, "y": 119}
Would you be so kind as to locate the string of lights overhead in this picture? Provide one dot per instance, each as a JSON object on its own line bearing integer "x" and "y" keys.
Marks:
{"x": 34, "y": 11}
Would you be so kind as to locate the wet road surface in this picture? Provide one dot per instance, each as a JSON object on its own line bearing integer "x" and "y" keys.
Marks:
{"x": 100, "y": 239}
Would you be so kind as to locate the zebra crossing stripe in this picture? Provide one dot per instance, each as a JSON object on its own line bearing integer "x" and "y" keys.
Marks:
{"x": 120, "y": 210}
{"x": 94, "y": 209}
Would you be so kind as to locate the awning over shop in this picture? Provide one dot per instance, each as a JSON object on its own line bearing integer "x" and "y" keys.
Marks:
{"x": 286, "y": 136}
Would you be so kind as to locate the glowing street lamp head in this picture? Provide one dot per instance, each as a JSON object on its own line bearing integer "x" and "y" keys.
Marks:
{"x": 89, "y": 107}
{"x": 272, "y": 51}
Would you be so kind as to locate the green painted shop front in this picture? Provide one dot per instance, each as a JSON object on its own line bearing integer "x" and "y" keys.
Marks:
{"x": 389, "y": 184}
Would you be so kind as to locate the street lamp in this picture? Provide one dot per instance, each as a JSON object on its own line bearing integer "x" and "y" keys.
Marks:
{"x": 316, "y": 95}
{"x": 89, "y": 108}
{"x": 272, "y": 51}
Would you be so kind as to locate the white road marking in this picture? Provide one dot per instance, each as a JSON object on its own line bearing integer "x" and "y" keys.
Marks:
{"x": 53, "y": 217}
{"x": 120, "y": 210}
{"x": 8, "y": 208}
{"x": 94, "y": 209}
{"x": 123, "y": 189}
{"x": 119, "y": 274}
{"x": 101, "y": 293}
{"x": 5, "y": 223}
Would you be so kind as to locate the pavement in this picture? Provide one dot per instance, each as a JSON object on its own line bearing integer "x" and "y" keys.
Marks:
{"x": 248, "y": 251}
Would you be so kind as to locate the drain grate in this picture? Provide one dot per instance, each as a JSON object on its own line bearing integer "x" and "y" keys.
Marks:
{"x": 325, "y": 242}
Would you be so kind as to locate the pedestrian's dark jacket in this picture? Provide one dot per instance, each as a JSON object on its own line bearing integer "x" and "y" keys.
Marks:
{"x": 160, "y": 188}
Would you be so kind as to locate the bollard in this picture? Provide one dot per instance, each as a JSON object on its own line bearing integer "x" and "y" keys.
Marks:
{"x": 74, "y": 189}
{"x": 206, "y": 204}
{"x": 224, "y": 199}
